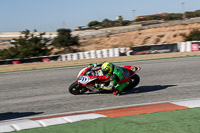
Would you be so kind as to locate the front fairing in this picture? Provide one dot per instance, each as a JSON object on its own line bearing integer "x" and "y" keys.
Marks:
{"x": 81, "y": 71}
{"x": 84, "y": 77}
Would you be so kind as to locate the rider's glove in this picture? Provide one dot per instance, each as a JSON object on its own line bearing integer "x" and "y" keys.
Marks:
{"x": 93, "y": 65}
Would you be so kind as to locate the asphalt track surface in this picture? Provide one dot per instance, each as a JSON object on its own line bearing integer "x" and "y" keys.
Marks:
{"x": 43, "y": 92}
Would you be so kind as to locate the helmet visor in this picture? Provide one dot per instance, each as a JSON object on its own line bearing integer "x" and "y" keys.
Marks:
{"x": 106, "y": 71}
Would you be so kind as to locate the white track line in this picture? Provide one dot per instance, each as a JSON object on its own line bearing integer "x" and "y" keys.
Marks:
{"x": 28, "y": 124}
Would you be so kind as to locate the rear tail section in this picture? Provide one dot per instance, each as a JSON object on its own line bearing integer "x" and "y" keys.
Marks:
{"x": 136, "y": 68}
{"x": 133, "y": 68}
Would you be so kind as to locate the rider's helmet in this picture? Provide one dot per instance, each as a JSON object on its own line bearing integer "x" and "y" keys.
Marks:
{"x": 107, "y": 68}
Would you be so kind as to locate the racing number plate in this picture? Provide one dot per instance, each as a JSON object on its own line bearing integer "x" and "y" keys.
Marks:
{"x": 84, "y": 79}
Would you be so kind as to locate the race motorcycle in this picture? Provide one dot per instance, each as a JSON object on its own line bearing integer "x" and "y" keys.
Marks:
{"x": 89, "y": 77}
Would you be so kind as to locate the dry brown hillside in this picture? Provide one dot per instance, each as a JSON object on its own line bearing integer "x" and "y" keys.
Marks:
{"x": 171, "y": 34}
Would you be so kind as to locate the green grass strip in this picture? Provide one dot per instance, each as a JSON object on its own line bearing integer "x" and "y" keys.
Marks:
{"x": 181, "y": 121}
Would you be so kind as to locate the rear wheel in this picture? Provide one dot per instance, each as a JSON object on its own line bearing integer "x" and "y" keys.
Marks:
{"x": 76, "y": 89}
{"x": 135, "y": 80}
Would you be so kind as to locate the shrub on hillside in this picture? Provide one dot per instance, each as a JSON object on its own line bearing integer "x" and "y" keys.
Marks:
{"x": 28, "y": 45}
{"x": 194, "y": 35}
{"x": 65, "y": 42}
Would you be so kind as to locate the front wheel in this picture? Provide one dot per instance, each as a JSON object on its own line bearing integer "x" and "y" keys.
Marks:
{"x": 135, "y": 80}
{"x": 76, "y": 89}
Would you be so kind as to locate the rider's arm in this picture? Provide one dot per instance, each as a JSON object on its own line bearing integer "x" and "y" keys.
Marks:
{"x": 114, "y": 79}
{"x": 96, "y": 64}
{"x": 99, "y": 64}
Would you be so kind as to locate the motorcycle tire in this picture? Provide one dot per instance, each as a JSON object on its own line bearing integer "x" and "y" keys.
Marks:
{"x": 135, "y": 80}
{"x": 76, "y": 89}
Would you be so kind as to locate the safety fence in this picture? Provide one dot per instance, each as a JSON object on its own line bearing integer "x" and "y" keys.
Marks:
{"x": 189, "y": 46}
{"x": 126, "y": 51}
{"x": 113, "y": 52}
{"x": 29, "y": 60}
{"x": 129, "y": 51}
{"x": 104, "y": 53}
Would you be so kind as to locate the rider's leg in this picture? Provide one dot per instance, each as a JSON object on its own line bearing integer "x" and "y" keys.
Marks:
{"x": 119, "y": 88}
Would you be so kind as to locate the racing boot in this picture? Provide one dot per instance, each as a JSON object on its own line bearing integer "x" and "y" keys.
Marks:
{"x": 117, "y": 92}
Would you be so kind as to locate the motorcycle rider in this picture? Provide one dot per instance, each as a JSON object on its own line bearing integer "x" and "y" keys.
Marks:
{"x": 116, "y": 74}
